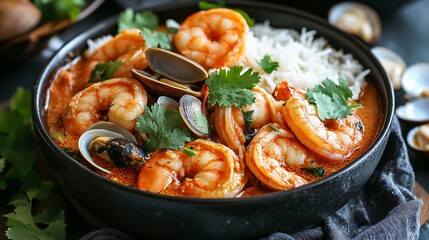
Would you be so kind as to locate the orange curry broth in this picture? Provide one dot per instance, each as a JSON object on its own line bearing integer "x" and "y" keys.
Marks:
{"x": 69, "y": 81}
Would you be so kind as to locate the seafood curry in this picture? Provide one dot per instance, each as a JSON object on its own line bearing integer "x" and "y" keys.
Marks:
{"x": 190, "y": 109}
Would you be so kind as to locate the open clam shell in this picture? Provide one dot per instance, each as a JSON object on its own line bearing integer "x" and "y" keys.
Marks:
{"x": 413, "y": 141}
{"x": 392, "y": 63}
{"x": 416, "y": 111}
{"x": 357, "y": 19}
{"x": 415, "y": 80}
{"x": 193, "y": 116}
{"x": 163, "y": 87}
{"x": 175, "y": 66}
{"x": 101, "y": 129}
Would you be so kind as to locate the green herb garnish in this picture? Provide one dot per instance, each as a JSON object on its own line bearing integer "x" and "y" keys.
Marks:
{"x": 331, "y": 99}
{"x": 104, "y": 71}
{"x": 130, "y": 20}
{"x": 190, "y": 152}
{"x": 202, "y": 122}
{"x": 267, "y": 64}
{"x": 59, "y": 9}
{"x": 248, "y": 119}
{"x": 155, "y": 39}
{"x": 206, "y": 6}
{"x": 162, "y": 128}
{"x": 231, "y": 88}
{"x": 315, "y": 171}
{"x": 358, "y": 125}
{"x": 273, "y": 128}
{"x": 18, "y": 157}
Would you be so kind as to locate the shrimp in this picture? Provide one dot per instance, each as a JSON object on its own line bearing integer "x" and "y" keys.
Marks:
{"x": 270, "y": 152}
{"x": 332, "y": 139}
{"x": 124, "y": 98}
{"x": 127, "y": 46}
{"x": 229, "y": 122}
{"x": 214, "y": 38}
{"x": 215, "y": 172}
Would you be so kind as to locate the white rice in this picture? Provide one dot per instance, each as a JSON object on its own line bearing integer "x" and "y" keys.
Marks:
{"x": 304, "y": 61}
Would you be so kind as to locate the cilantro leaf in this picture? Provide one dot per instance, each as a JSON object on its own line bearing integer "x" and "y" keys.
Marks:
{"x": 155, "y": 39}
{"x": 18, "y": 151}
{"x": 315, "y": 171}
{"x": 130, "y": 20}
{"x": 231, "y": 88}
{"x": 248, "y": 119}
{"x": 59, "y": 9}
{"x": 202, "y": 122}
{"x": 206, "y": 6}
{"x": 331, "y": 99}
{"x": 267, "y": 64}
{"x": 162, "y": 128}
{"x": 104, "y": 71}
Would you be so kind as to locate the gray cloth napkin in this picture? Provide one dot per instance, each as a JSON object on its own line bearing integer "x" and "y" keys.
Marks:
{"x": 385, "y": 208}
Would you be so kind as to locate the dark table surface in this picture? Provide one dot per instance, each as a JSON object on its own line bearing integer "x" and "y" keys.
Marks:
{"x": 405, "y": 31}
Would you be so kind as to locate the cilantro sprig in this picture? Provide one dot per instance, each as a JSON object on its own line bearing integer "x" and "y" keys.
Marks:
{"x": 267, "y": 64}
{"x": 17, "y": 159}
{"x": 104, "y": 71}
{"x": 59, "y": 9}
{"x": 155, "y": 39}
{"x": 232, "y": 88}
{"x": 206, "y": 6}
{"x": 128, "y": 19}
{"x": 162, "y": 127}
{"x": 331, "y": 99}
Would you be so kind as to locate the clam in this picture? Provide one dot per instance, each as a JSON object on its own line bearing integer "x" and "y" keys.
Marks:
{"x": 416, "y": 111}
{"x": 415, "y": 81}
{"x": 193, "y": 116}
{"x": 17, "y": 17}
{"x": 111, "y": 142}
{"x": 357, "y": 19}
{"x": 418, "y": 139}
{"x": 392, "y": 63}
{"x": 173, "y": 74}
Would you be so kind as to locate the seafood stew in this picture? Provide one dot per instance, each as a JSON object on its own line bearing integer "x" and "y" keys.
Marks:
{"x": 269, "y": 137}
{"x": 147, "y": 215}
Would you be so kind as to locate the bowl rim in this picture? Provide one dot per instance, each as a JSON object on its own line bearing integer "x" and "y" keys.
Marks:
{"x": 38, "y": 121}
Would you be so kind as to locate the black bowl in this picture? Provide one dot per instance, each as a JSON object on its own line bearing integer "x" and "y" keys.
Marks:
{"x": 153, "y": 216}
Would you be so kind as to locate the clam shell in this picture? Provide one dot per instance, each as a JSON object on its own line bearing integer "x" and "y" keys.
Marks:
{"x": 416, "y": 111}
{"x": 415, "y": 80}
{"x": 191, "y": 112}
{"x": 175, "y": 66}
{"x": 157, "y": 87}
{"x": 392, "y": 63}
{"x": 101, "y": 129}
{"x": 357, "y": 19}
{"x": 411, "y": 140}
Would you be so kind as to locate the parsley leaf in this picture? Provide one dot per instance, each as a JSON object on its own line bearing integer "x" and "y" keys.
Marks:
{"x": 59, "y": 9}
{"x": 231, "y": 88}
{"x": 155, "y": 39}
{"x": 206, "y": 6}
{"x": 129, "y": 20}
{"x": 331, "y": 99}
{"x": 267, "y": 64}
{"x": 162, "y": 128}
{"x": 104, "y": 71}
{"x": 202, "y": 122}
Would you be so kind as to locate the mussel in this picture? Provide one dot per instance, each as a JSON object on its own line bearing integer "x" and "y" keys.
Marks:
{"x": 357, "y": 19}
{"x": 173, "y": 74}
{"x": 113, "y": 143}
